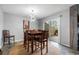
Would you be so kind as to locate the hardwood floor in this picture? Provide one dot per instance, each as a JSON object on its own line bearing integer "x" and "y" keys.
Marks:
{"x": 53, "y": 49}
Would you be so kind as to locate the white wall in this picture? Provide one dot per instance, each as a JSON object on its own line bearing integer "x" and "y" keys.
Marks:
{"x": 1, "y": 27}
{"x": 64, "y": 25}
{"x": 14, "y": 24}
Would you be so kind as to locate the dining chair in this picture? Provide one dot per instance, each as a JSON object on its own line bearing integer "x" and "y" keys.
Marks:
{"x": 27, "y": 40}
{"x": 45, "y": 40}
{"x": 38, "y": 41}
{"x": 7, "y": 37}
{"x": 42, "y": 39}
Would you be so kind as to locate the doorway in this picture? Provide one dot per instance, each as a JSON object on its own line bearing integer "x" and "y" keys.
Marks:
{"x": 53, "y": 26}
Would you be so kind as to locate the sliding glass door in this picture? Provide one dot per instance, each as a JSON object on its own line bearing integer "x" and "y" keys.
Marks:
{"x": 54, "y": 29}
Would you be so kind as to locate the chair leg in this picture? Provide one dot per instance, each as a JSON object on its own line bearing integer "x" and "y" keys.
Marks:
{"x": 28, "y": 46}
{"x": 31, "y": 46}
{"x": 9, "y": 41}
{"x": 25, "y": 47}
{"x": 38, "y": 44}
{"x": 3, "y": 41}
{"x": 43, "y": 45}
{"x": 14, "y": 39}
{"x": 35, "y": 45}
{"x": 25, "y": 44}
{"x": 41, "y": 48}
{"x": 47, "y": 47}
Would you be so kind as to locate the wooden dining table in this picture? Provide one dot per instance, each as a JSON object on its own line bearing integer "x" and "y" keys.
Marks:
{"x": 33, "y": 35}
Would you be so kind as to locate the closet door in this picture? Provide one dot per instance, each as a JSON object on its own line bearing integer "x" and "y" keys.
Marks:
{"x": 73, "y": 27}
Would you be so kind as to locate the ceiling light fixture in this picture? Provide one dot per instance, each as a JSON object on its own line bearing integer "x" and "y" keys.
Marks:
{"x": 32, "y": 16}
{"x": 33, "y": 11}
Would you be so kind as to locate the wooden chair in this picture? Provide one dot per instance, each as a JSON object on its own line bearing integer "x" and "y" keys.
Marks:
{"x": 45, "y": 40}
{"x": 24, "y": 40}
{"x": 27, "y": 39}
{"x": 38, "y": 40}
{"x": 42, "y": 39}
{"x": 7, "y": 37}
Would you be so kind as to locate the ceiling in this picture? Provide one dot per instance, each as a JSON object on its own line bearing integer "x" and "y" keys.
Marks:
{"x": 40, "y": 10}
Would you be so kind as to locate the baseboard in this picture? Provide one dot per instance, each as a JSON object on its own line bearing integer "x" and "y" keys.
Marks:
{"x": 65, "y": 45}
{"x": 61, "y": 44}
{"x": 18, "y": 40}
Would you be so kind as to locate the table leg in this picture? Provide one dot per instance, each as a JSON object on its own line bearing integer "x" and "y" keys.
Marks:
{"x": 47, "y": 46}
{"x": 35, "y": 45}
{"x": 28, "y": 45}
{"x": 41, "y": 48}
{"x": 32, "y": 45}
{"x": 14, "y": 39}
{"x": 9, "y": 41}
